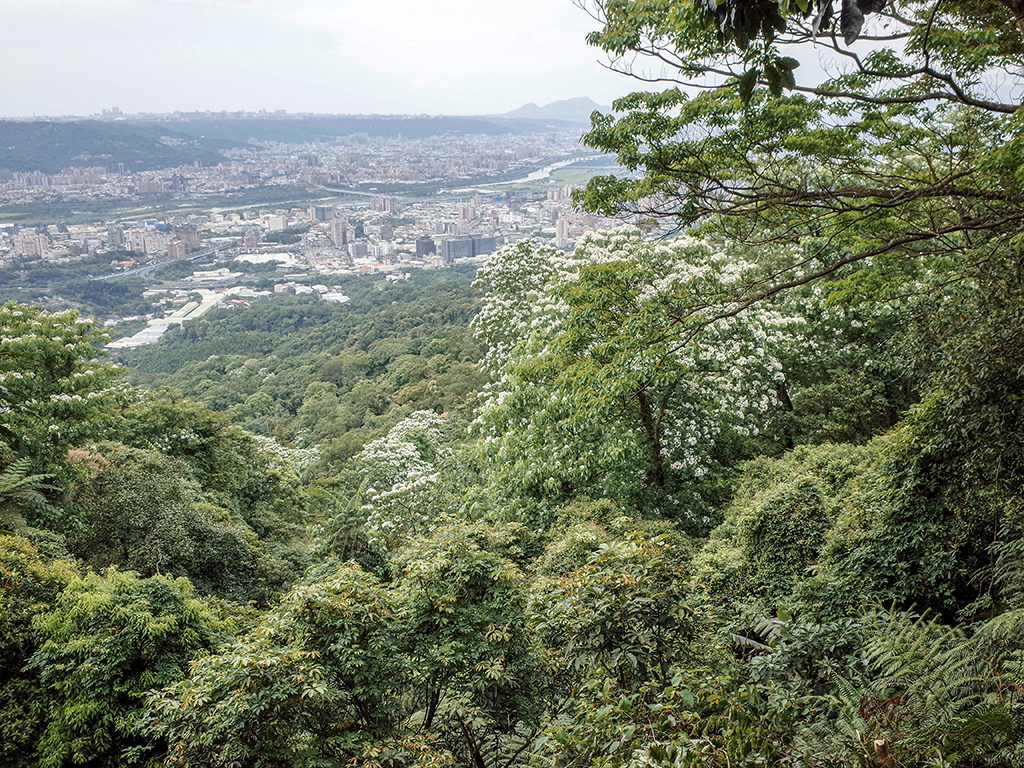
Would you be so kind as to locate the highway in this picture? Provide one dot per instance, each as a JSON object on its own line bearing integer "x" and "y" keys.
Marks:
{"x": 151, "y": 268}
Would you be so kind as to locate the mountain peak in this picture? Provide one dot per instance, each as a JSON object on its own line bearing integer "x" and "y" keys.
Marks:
{"x": 576, "y": 110}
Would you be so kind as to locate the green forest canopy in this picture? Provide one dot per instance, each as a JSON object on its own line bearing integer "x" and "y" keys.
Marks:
{"x": 750, "y": 496}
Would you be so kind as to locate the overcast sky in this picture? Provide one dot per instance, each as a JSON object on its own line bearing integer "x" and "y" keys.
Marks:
{"x": 77, "y": 57}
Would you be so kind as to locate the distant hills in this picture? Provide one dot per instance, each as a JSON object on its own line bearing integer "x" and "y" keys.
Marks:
{"x": 570, "y": 110}
{"x": 326, "y": 127}
{"x": 50, "y": 146}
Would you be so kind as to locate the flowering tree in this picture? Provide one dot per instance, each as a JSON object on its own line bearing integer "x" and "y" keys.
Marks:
{"x": 905, "y": 155}
{"x": 52, "y": 387}
{"x": 400, "y": 477}
{"x": 618, "y": 372}
{"x": 55, "y": 392}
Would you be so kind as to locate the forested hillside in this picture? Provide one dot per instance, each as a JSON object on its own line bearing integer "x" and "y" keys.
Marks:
{"x": 750, "y": 495}
{"x": 51, "y": 146}
{"x": 310, "y": 373}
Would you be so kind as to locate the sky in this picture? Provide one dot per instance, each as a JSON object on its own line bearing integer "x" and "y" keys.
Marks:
{"x": 454, "y": 57}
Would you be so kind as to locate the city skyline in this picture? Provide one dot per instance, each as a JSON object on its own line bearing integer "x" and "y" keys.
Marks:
{"x": 456, "y": 57}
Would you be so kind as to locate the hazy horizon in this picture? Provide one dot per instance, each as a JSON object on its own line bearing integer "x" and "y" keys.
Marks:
{"x": 453, "y": 57}
{"x": 100, "y": 113}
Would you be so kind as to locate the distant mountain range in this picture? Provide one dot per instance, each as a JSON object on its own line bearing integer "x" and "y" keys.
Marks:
{"x": 50, "y": 146}
{"x": 326, "y": 127}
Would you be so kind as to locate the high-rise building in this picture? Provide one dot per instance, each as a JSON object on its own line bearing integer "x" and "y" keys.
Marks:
{"x": 156, "y": 242}
{"x": 562, "y": 233}
{"x": 322, "y": 212}
{"x": 136, "y": 240}
{"x": 457, "y": 248}
{"x": 250, "y": 241}
{"x": 339, "y": 232}
{"x": 177, "y": 249}
{"x": 386, "y": 204}
{"x": 31, "y": 244}
{"x": 115, "y": 236}
{"x": 425, "y": 246}
{"x": 484, "y": 245}
{"x": 188, "y": 234}
{"x": 381, "y": 250}
{"x": 465, "y": 247}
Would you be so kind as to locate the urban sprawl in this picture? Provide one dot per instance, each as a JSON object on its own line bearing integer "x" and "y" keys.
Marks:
{"x": 440, "y": 206}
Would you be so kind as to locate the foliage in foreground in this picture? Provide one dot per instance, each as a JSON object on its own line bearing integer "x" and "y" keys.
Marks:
{"x": 749, "y": 497}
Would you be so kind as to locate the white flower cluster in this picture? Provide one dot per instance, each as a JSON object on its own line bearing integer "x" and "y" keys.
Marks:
{"x": 402, "y": 465}
{"x": 576, "y": 341}
{"x": 296, "y": 459}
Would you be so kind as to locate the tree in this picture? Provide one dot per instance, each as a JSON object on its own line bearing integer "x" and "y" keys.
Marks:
{"x": 54, "y": 392}
{"x": 743, "y": 20}
{"x": 775, "y": 525}
{"x": 29, "y": 585}
{"x": 310, "y": 686}
{"x": 610, "y": 380}
{"x": 615, "y": 632}
{"x": 226, "y": 462}
{"x": 400, "y": 479}
{"x": 141, "y": 511}
{"x": 108, "y": 642}
{"x": 905, "y": 160}
{"x": 347, "y": 670}
{"x": 474, "y": 672}
{"x": 895, "y": 181}
{"x": 622, "y": 616}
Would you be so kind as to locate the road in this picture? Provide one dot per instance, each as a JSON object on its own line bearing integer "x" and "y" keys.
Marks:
{"x": 150, "y": 268}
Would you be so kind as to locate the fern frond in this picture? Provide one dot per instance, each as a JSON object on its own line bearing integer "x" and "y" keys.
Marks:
{"x": 19, "y": 490}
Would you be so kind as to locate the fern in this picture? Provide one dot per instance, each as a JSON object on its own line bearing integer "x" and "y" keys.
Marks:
{"x": 18, "y": 490}
{"x": 1008, "y": 559}
{"x": 928, "y": 689}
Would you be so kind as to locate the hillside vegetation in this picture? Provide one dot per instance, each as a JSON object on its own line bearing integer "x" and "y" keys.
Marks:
{"x": 752, "y": 495}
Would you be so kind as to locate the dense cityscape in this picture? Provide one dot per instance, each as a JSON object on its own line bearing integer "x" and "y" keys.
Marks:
{"x": 364, "y": 205}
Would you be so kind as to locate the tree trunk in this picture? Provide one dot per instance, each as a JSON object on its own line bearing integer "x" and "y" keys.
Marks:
{"x": 1017, "y": 9}
{"x": 655, "y": 462}
{"x": 433, "y": 699}
{"x": 882, "y": 753}
{"x": 787, "y": 405}
{"x": 474, "y": 748}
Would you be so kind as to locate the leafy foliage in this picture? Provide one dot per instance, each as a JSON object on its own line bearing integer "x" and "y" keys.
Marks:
{"x": 54, "y": 393}
{"x": 19, "y": 490}
{"x": 899, "y": 162}
{"x": 616, "y": 385}
{"x": 309, "y": 685}
{"x": 776, "y": 524}
{"x": 701, "y": 464}
{"x": 141, "y": 512}
{"x": 314, "y": 374}
{"x": 108, "y": 641}
{"x": 29, "y": 585}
